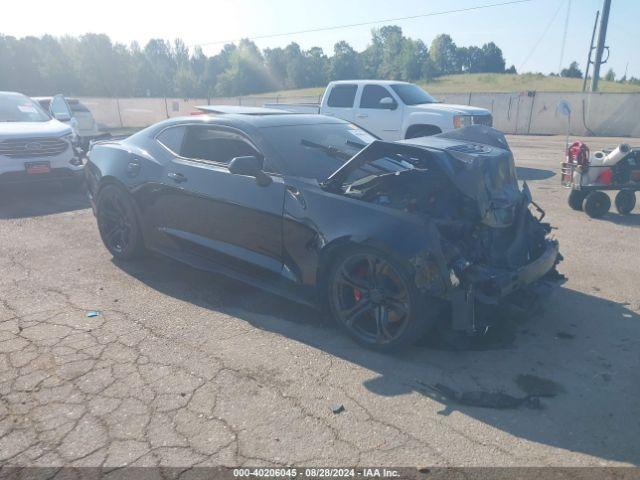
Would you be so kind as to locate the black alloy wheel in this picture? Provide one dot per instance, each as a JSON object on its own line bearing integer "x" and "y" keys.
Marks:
{"x": 373, "y": 299}
{"x": 117, "y": 223}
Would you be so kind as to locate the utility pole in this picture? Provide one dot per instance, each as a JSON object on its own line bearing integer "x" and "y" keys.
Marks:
{"x": 600, "y": 48}
{"x": 591, "y": 47}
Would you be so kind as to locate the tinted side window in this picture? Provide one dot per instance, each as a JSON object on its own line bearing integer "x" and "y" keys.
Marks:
{"x": 371, "y": 96}
{"x": 172, "y": 138}
{"x": 342, "y": 96}
{"x": 216, "y": 145}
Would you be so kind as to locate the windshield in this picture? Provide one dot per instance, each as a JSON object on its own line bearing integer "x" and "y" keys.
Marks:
{"x": 318, "y": 150}
{"x": 412, "y": 94}
{"x": 18, "y": 108}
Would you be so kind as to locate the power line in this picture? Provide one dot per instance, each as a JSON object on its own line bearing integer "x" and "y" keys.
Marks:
{"x": 373, "y": 22}
{"x": 544, "y": 33}
{"x": 564, "y": 35}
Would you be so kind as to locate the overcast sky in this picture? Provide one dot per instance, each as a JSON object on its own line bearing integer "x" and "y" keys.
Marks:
{"x": 517, "y": 29}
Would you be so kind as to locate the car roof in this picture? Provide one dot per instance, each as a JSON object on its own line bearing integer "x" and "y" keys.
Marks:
{"x": 239, "y": 109}
{"x": 361, "y": 82}
{"x": 242, "y": 121}
{"x": 13, "y": 94}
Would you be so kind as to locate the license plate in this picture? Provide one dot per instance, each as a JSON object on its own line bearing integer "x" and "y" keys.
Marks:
{"x": 37, "y": 168}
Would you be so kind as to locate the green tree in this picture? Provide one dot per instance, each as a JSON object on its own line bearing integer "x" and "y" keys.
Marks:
{"x": 492, "y": 59}
{"x": 444, "y": 54}
{"x": 317, "y": 64}
{"x": 572, "y": 72}
{"x": 610, "y": 76}
{"x": 344, "y": 63}
{"x": 246, "y": 73}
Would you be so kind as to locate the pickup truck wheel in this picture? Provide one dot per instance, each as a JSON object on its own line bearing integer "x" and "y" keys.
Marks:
{"x": 597, "y": 204}
{"x": 373, "y": 298}
{"x": 418, "y": 131}
{"x": 576, "y": 198}
{"x": 625, "y": 202}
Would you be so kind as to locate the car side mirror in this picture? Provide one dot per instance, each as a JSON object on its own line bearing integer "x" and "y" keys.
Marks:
{"x": 250, "y": 166}
{"x": 388, "y": 103}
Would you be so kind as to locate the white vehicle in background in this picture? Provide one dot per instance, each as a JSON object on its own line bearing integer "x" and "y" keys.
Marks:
{"x": 74, "y": 113}
{"x": 391, "y": 110}
{"x": 33, "y": 145}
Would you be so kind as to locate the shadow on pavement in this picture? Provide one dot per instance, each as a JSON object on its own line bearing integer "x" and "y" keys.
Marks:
{"x": 583, "y": 345}
{"x": 37, "y": 199}
{"x": 532, "y": 174}
{"x": 633, "y": 219}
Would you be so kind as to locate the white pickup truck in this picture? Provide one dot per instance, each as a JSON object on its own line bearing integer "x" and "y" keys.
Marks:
{"x": 391, "y": 110}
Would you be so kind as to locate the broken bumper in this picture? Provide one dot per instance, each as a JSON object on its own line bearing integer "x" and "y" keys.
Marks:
{"x": 490, "y": 287}
{"x": 507, "y": 282}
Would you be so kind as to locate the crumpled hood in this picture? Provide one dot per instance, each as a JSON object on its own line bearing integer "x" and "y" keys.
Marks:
{"x": 52, "y": 128}
{"x": 476, "y": 158}
{"x": 448, "y": 108}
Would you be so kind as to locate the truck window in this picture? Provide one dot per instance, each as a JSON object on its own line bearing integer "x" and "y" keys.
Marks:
{"x": 371, "y": 96}
{"x": 342, "y": 96}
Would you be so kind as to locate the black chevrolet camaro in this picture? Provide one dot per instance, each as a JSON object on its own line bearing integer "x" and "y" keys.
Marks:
{"x": 389, "y": 235}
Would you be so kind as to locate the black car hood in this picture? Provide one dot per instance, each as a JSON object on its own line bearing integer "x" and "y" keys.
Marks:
{"x": 477, "y": 159}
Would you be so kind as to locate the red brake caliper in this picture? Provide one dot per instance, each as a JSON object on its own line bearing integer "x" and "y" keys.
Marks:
{"x": 361, "y": 272}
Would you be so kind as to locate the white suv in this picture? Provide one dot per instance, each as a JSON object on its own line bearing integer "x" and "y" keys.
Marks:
{"x": 33, "y": 145}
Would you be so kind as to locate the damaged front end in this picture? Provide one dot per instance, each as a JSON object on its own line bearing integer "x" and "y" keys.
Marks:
{"x": 489, "y": 245}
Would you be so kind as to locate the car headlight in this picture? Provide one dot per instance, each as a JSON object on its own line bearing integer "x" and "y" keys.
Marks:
{"x": 460, "y": 121}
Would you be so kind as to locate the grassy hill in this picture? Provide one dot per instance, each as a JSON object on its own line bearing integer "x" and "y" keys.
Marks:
{"x": 491, "y": 82}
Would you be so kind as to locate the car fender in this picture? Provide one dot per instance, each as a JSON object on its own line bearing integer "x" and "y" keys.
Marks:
{"x": 325, "y": 225}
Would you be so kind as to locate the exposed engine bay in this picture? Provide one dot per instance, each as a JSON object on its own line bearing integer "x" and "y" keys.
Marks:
{"x": 492, "y": 241}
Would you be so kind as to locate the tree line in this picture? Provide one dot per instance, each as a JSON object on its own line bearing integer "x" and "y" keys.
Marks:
{"x": 93, "y": 65}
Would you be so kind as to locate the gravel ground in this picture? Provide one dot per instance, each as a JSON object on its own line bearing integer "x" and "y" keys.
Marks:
{"x": 185, "y": 368}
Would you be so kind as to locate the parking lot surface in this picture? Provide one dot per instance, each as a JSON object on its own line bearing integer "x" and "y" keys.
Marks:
{"x": 184, "y": 368}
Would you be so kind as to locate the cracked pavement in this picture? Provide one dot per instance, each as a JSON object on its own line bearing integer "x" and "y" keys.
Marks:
{"x": 183, "y": 368}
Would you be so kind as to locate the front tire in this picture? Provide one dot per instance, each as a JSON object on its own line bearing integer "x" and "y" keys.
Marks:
{"x": 118, "y": 223}
{"x": 375, "y": 301}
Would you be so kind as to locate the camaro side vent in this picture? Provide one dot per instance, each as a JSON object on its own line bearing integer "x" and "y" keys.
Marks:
{"x": 32, "y": 147}
{"x": 483, "y": 120}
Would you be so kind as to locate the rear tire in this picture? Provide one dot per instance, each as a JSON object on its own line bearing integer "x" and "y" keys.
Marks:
{"x": 576, "y": 198}
{"x": 118, "y": 223}
{"x": 597, "y": 204}
{"x": 625, "y": 202}
{"x": 374, "y": 300}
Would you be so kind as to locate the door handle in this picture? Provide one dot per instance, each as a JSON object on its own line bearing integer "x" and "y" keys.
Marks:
{"x": 362, "y": 115}
{"x": 177, "y": 177}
